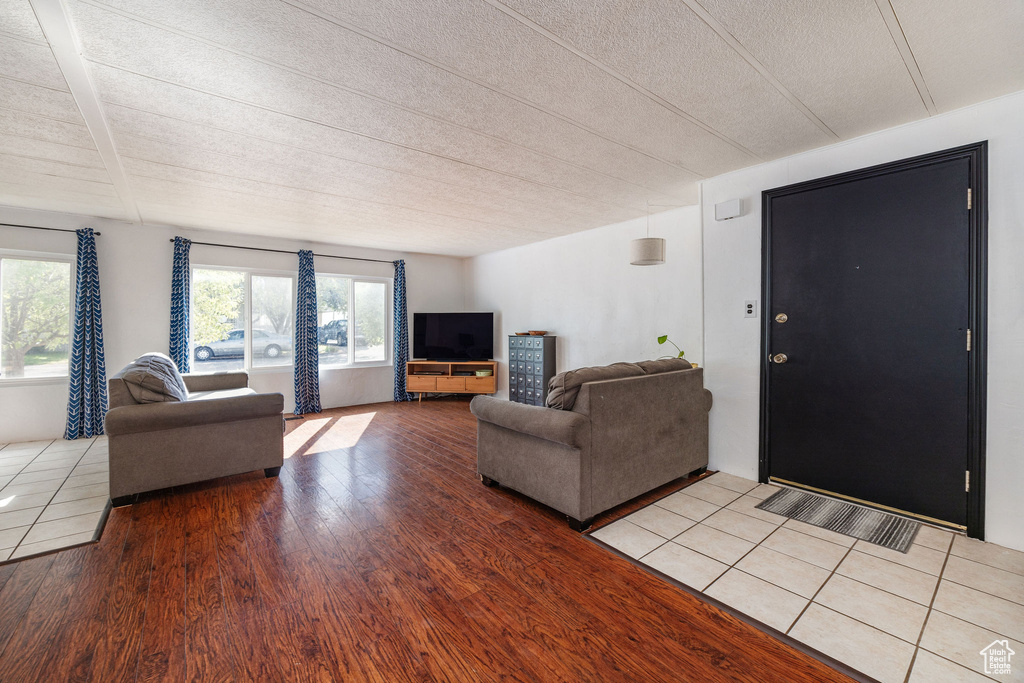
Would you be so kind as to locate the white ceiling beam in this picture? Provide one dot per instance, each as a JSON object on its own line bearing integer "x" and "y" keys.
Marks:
{"x": 60, "y": 34}
{"x": 453, "y": 70}
{"x": 719, "y": 28}
{"x": 892, "y": 22}
{"x": 566, "y": 45}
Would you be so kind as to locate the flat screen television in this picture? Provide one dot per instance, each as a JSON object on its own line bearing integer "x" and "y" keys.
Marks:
{"x": 453, "y": 336}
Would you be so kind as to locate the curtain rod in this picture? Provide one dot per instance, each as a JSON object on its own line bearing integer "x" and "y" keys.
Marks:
{"x": 284, "y": 251}
{"x": 39, "y": 227}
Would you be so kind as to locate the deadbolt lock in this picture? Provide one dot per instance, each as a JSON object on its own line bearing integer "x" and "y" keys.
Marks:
{"x": 780, "y": 358}
{"x": 781, "y": 318}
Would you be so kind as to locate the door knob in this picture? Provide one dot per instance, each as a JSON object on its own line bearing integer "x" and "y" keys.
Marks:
{"x": 780, "y": 358}
{"x": 781, "y": 318}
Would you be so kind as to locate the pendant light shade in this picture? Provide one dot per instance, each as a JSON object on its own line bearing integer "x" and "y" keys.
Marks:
{"x": 647, "y": 251}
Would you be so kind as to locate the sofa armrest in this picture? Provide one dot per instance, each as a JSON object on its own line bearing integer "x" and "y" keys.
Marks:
{"x": 560, "y": 426}
{"x": 152, "y": 417}
{"x": 216, "y": 382}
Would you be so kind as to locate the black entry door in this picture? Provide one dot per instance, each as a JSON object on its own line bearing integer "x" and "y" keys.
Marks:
{"x": 871, "y": 399}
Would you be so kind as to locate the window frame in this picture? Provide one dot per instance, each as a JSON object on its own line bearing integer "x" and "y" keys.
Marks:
{"x": 389, "y": 321}
{"x": 248, "y": 274}
{"x": 353, "y": 364}
{"x": 53, "y": 257}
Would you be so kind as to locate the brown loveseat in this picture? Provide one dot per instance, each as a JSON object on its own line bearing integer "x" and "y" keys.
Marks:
{"x": 618, "y": 432}
{"x": 222, "y": 428}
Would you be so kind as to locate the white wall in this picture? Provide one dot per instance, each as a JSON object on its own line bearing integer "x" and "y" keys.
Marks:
{"x": 582, "y": 288}
{"x": 733, "y": 273}
{"x": 135, "y": 283}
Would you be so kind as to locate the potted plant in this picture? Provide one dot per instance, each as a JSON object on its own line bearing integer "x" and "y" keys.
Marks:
{"x": 663, "y": 339}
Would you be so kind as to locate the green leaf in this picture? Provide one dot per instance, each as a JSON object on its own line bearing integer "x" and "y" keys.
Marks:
{"x": 680, "y": 354}
{"x": 662, "y": 339}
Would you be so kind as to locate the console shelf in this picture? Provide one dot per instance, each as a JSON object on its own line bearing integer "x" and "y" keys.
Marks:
{"x": 457, "y": 377}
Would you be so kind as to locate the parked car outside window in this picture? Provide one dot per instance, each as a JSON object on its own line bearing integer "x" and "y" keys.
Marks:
{"x": 333, "y": 332}
{"x": 265, "y": 344}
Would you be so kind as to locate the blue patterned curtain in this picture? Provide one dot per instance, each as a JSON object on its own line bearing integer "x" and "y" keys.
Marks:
{"x": 180, "y": 280}
{"x": 401, "y": 327}
{"x": 87, "y": 397}
{"x": 307, "y": 356}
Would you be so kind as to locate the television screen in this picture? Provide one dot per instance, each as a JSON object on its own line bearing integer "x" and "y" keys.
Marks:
{"x": 453, "y": 336}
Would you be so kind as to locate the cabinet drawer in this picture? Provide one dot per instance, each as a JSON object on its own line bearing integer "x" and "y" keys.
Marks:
{"x": 451, "y": 383}
{"x": 480, "y": 385}
{"x": 413, "y": 383}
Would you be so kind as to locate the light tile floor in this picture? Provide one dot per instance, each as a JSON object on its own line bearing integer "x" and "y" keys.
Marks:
{"x": 52, "y": 494}
{"x": 915, "y": 617}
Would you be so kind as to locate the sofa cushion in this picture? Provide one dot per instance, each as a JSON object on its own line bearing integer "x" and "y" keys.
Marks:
{"x": 154, "y": 378}
{"x": 220, "y": 393}
{"x": 653, "y": 367}
{"x": 565, "y": 386}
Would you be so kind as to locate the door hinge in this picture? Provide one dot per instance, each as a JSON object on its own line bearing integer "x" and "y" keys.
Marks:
{"x": 967, "y": 481}
{"x": 968, "y": 199}
{"x": 968, "y": 339}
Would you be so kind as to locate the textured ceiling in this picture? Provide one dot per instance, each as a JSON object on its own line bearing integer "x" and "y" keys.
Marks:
{"x": 456, "y": 126}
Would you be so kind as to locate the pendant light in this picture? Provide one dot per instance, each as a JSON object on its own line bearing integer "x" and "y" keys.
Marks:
{"x": 647, "y": 251}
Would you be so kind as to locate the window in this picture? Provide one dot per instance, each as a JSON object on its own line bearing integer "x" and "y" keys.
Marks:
{"x": 246, "y": 320}
{"x": 364, "y": 302}
{"x": 228, "y": 306}
{"x": 332, "y": 296}
{"x": 218, "y": 320}
{"x": 273, "y": 312}
{"x": 371, "y": 324}
{"x": 35, "y": 317}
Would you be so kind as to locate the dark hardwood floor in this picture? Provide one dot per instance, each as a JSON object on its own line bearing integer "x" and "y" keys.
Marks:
{"x": 377, "y": 555}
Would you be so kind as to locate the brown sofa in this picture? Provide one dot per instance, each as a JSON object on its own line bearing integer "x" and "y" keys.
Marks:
{"x": 620, "y": 431}
{"x": 223, "y": 428}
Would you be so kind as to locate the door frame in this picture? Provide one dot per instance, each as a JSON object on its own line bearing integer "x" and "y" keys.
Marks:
{"x": 977, "y": 156}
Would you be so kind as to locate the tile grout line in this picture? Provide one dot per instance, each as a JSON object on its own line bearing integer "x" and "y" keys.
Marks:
{"x": 22, "y": 470}
{"x": 695, "y": 522}
{"x": 823, "y": 584}
{"x": 733, "y": 565}
{"x": 50, "y": 502}
{"x": 990, "y": 566}
{"x": 978, "y": 590}
{"x": 928, "y": 614}
{"x": 17, "y": 545}
{"x": 930, "y": 607}
{"x": 882, "y": 590}
{"x": 959, "y": 665}
{"x": 810, "y": 601}
{"x": 756, "y": 545}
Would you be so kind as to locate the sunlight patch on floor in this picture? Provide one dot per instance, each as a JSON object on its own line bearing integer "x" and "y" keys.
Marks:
{"x": 297, "y": 438}
{"x": 326, "y": 434}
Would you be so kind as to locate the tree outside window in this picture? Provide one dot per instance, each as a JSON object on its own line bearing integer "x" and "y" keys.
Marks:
{"x": 332, "y": 319}
{"x": 34, "y": 317}
{"x": 371, "y": 326}
{"x": 218, "y": 312}
{"x": 242, "y": 319}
